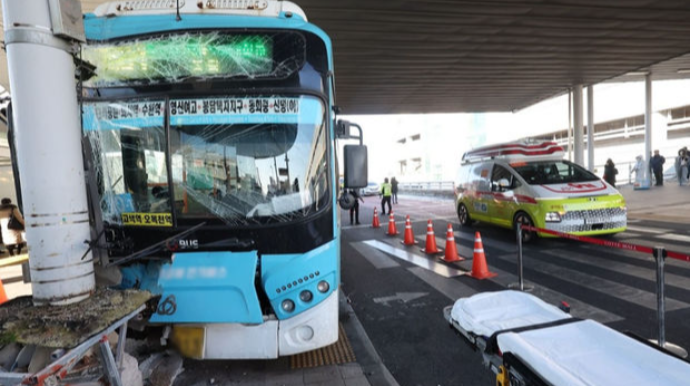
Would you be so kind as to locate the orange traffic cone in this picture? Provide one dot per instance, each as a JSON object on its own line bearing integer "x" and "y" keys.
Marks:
{"x": 409, "y": 236}
{"x": 431, "y": 248}
{"x": 479, "y": 269}
{"x": 392, "y": 231}
{"x": 376, "y": 223}
{"x": 451, "y": 249}
{"x": 3, "y": 295}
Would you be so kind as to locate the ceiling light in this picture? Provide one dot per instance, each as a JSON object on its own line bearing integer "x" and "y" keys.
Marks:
{"x": 637, "y": 73}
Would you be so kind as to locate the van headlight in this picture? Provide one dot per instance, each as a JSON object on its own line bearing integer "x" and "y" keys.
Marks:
{"x": 553, "y": 217}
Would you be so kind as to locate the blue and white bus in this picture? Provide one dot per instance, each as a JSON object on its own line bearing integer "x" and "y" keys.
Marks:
{"x": 210, "y": 129}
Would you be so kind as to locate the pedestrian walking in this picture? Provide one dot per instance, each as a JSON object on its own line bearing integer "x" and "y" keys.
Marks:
{"x": 657, "y": 165}
{"x": 610, "y": 172}
{"x": 354, "y": 211}
{"x": 12, "y": 226}
{"x": 386, "y": 193}
{"x": 394, "y": 189}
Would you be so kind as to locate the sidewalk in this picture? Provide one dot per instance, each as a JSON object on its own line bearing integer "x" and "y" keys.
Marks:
{"x": 670, "y": 203}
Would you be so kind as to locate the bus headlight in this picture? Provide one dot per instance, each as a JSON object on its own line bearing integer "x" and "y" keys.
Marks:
{"x": 553, "y": 217}
{"x": 323, "y": 286}
{"x": 306, "y": 296}
{"x": 288, "y": 305}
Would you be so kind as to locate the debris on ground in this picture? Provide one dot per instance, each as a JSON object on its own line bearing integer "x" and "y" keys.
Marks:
{"x": 166, "y": 368}
{"x": 66, "y": 326}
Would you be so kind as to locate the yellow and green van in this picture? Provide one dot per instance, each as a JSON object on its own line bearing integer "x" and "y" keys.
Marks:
{"x": 531, "y": 184}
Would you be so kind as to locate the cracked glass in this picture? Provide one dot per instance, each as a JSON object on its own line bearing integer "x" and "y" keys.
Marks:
{"x": 240, "y": 159}
{"x": 197, "y": 55}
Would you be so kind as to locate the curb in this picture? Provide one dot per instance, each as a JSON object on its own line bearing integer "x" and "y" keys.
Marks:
{"x": 367, "y": 357}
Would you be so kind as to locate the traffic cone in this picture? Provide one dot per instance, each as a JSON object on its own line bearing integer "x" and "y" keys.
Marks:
{"x": 392, "y": 231}
{"x": 376, "y": 223}
{"x": 431, "y": 248}
{"x": 3, "y": 294}
{"x": 409, "y": 236}
{"x": 451, "y": 250}
{"x": 479, "y": 269}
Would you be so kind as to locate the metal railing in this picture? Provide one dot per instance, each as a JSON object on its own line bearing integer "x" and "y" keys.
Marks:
{"x": 428, "y": 188}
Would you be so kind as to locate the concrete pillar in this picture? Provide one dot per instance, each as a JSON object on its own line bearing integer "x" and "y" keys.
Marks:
{"x": 590, "y": 128}
{"x": 648, "y": 117}
{"x": 48, "y": 144}
{"x": 578, "y": 129}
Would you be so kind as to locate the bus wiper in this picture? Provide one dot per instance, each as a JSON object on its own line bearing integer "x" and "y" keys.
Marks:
{"x": 225, "y": 244}
{"x": 155, "y": 247}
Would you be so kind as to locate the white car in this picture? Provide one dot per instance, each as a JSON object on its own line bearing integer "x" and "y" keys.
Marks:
{"x": 371, "y": 189}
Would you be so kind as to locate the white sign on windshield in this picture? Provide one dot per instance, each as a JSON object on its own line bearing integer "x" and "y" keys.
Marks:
{"x": 234, "y": 110}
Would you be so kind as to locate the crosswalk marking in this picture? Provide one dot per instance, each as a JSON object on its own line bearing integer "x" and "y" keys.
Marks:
{"x": 578, "y": 308}
{"x": 675, "y": 237}
{"x": 624, "y": 268}
{"x": 648, "y": 230}
{"x": 415, "y": 259}
{"x": 612, "y": 288}
{"x": 377, "y": 258}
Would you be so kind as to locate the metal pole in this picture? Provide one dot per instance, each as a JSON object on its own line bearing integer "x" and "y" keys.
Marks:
{"x": 648, "y": 120}
{"x": 590, "y": 128}
{"x": 578, "y": 129}
{"x": 659, "y": 255}
{"x": 570, "y": 123}
{"x": 519, "y": 243}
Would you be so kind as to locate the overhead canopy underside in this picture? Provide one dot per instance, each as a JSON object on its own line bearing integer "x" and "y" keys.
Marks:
{"x": 399, "y": 56}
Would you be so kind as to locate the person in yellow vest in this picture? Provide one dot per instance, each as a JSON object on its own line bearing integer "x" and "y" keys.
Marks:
{"x": 386, "y": 192}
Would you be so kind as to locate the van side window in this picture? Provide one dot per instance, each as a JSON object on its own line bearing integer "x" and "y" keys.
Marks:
{"x": 480, "y": 177}
{"x": 500, "y": 173}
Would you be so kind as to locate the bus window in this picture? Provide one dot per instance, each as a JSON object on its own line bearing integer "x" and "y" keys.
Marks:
{"x": 128, "y": 141}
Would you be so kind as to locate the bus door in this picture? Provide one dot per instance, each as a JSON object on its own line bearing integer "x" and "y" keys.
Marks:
{"x": 504, "y": 201}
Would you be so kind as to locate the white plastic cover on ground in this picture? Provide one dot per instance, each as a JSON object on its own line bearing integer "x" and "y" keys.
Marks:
{"x": 589, "y": 353}
{"x": 484, "y": 314}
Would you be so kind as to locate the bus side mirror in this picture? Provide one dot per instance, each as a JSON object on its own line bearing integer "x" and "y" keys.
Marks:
{"x": 504, "y": 184}
{"x": 355, "y": 158}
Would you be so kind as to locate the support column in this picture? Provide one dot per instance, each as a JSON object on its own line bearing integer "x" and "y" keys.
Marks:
{"x": 578, "y": 130}
{"x": 590, "y": 128}
{"x": 38, "y": 39}
{"x": 648, "y": 117}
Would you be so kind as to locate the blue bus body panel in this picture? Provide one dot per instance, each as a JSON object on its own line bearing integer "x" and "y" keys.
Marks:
{"x": 285, "y": 276}
{"x": 209, "y": 287}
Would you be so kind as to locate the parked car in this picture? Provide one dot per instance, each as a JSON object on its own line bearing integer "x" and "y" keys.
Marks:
{"x": 371, "y": 189}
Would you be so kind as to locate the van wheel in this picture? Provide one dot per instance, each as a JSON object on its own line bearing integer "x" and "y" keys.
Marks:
{"x": 464, "y": 216}
{"x": 522, "y": 218}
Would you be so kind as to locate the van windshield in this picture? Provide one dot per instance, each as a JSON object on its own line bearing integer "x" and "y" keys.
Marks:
{"x": 552, "y": 172}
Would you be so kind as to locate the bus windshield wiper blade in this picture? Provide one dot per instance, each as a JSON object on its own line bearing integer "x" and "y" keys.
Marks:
{"x": 233, "y": 242}
{"x": 154, "y": 247}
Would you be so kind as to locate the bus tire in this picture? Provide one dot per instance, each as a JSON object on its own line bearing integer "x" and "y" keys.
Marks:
{"x": 524, "y": 219}
{"x": 464, "y": 216}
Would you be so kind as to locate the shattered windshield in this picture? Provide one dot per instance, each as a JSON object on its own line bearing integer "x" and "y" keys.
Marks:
{"x": 172, "y": 58}
{"x": 552, "y": 172}
{"x": 240, "y": 159}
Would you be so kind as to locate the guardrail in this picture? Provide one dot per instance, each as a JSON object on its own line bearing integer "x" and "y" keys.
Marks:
{"x": 429, "y": 188}
{"x": 658, "y": 253}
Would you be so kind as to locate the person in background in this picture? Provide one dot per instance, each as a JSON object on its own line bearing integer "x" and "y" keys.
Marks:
{"x": 610, "y": 172}
{"x": 386, "y": 193}
{"x": 657, "y": 165}
{"x": 682, "y": 165}
{"x": 354, "y": 211}
{"x": 394, "y": 189}
{"x": 12, "y": 237}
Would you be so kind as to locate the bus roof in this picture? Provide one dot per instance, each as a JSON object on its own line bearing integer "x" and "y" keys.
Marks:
{"x": 265, "y": 8}
{"x": 525, "y": 151}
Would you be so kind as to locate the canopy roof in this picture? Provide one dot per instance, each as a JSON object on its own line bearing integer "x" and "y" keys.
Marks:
{"x": 402, "y": 56}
